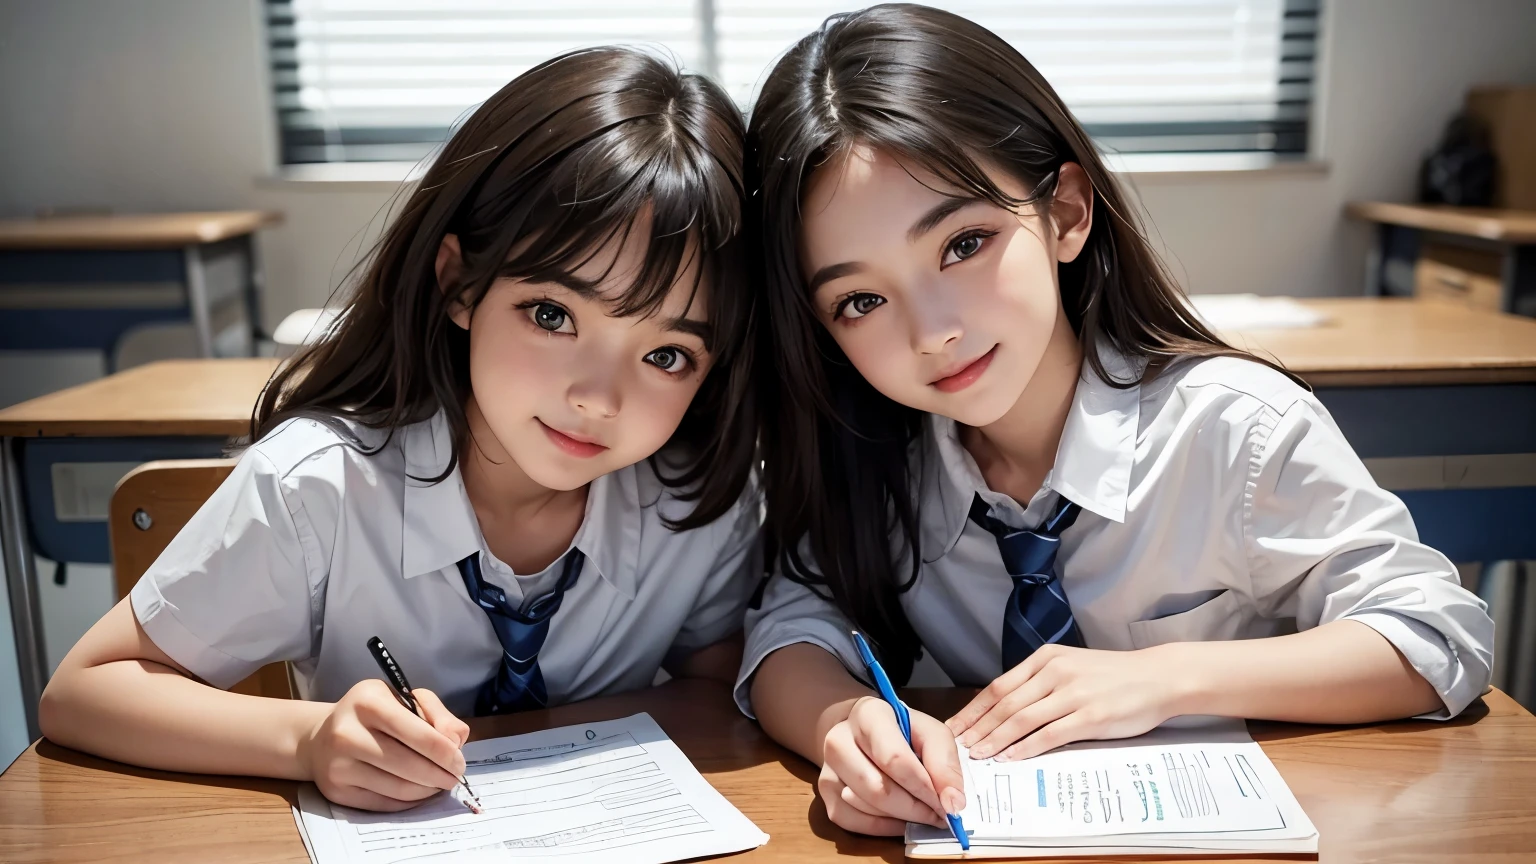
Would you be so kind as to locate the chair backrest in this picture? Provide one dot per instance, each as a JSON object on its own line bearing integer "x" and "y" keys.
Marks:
{"x": 150, "y": 505}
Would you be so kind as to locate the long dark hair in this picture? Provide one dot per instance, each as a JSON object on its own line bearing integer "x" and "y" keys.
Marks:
{"x": 567, "y": 156}
{"x": 940, "y": 92}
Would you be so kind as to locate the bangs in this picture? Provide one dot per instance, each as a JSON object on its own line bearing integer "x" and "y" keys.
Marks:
{"x": 619, "y": 187}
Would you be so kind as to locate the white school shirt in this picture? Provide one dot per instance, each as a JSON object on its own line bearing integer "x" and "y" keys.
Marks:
{"x": 1219, "y": 502}
{"x": 311, "y": 547}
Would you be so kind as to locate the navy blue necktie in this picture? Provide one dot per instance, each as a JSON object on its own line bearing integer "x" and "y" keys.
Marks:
{"x": 518, "y": 685}
{"x": 1037, "y": 612}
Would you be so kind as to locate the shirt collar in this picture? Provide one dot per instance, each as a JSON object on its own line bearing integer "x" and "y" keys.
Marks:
{"x": 1093, "y": 460}
{"x": 440, "y": 527}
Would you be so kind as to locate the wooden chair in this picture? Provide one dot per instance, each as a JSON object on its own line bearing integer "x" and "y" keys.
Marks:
{"x": 150, "y": 505}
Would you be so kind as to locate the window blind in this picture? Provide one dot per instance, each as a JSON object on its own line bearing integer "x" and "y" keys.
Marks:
{"x": 371, "y": 80}
{"x": 385, "y": 80}
{"x": 1141, "y": 75}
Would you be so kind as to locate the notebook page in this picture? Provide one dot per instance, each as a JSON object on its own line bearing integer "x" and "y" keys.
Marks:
{"x": 1183, "y": 785}
{"x": 618, "y": 791}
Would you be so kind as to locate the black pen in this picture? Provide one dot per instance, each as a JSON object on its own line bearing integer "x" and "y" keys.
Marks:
{"x": 395, "y": 676}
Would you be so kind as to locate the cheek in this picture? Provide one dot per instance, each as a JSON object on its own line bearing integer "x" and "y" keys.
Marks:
{"x": 655, "y": 406}
{"x": 1026, "y": 294}
{"x": 879, "y": 347}
{"x": 508, "y": 363}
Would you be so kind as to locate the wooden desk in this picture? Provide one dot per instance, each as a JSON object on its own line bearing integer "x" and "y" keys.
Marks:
{"x": 136, "y": 231}
{"x": 177, "y": 409}
{"x": 1402, "y": 229}
{"x": 1454, "y": 792}
{"x": 171, "y": 397}
{"x": 1369, "y": 341}
{"x": 85, "y": 281}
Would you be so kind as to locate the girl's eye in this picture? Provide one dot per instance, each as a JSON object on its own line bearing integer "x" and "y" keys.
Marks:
{"x": 673, "y": 360}
{"x": 551, "y": 317}
{"x": 858, "y": 305}
{"x": 965, "y": 246}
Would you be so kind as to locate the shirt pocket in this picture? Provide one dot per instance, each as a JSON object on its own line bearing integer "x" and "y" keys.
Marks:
{"x": 1217, "y": 619}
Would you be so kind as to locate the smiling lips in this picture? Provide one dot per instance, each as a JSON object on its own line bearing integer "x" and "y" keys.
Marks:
{"x": 578, "y": 446}
{"x": 966, "y": 375}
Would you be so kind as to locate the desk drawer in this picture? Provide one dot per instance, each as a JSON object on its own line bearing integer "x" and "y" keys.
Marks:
{"x": 1470, "y": 277}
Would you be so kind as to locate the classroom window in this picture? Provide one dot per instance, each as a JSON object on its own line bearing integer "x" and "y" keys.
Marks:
{"x": 385, "y": 80}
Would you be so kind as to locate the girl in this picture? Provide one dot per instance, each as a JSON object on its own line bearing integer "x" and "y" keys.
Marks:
{"x": 988, "y": 400}
{"x": 522, "y": 460}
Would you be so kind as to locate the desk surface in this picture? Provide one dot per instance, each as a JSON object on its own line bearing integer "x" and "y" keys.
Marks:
{"x": 1370, "y": 341}
{"x": 171, "y": 397}
{"x": 1508, "y": 226}
{"x": 1446, "y": 792}
{"x": 132, "y": 231}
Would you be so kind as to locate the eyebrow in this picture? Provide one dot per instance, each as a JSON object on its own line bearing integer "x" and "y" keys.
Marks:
{"x": 936, "y": 214}
{"x": 580, "y": 287}
{"x": 691, "y": 326}
{"x": 925, "y": 223}
{"x": 833, "y": 271}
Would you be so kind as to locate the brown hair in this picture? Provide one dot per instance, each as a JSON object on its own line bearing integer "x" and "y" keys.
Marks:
{"x": 944, "y": 95}
{"x": 567, "y": 156}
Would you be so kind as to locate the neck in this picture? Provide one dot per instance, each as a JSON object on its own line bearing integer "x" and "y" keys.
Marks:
{"x": 1016, "y": 451}
{"x": 497, "y": 486}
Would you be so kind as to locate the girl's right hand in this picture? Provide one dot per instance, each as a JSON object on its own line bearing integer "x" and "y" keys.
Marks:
{"x": 370, "y": 752}
{"x": 874, "y": 783}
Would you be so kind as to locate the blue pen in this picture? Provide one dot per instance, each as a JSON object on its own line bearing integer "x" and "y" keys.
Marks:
{"x": 903, "y": 720}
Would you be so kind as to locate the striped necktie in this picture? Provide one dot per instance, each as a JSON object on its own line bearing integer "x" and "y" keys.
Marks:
{"x": 518, "y": 685}
{"x": 1037, "y": 612}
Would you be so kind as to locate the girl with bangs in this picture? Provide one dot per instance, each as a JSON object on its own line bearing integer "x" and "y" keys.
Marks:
{"x": 523, "y": 459}
{"x": 995, "y": 432}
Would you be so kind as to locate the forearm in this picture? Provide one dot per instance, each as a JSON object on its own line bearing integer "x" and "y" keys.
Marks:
{"x": 146, "y": 714}
{"x": 119, "y": 696}
{"x": 1341, "y": 672}
{"x": 800, "y": 692}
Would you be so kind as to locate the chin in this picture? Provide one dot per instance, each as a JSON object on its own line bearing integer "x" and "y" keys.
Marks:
{"x": 556, "y": 471}
{"x": 977, "y": 405}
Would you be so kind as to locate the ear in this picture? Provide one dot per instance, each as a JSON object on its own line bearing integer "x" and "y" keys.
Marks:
{"x": 450, "y": 263}
{"x": 1071, "y": 211}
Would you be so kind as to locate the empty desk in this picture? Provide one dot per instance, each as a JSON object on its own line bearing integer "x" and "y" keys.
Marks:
{"x": 62, "y": 454}
{"x": 83, "y": 282}
{"x": 1480, "y": 256}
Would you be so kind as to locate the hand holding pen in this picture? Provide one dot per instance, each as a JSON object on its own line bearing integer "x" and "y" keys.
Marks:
{"x": 394, "y": 676}
{"x": 369, "y": 752}
{"x": 885, "y": 766}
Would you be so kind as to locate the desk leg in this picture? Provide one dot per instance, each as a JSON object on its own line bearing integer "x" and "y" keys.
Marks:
{"x": 256, "y": 286}
{"x": 21, "y": 584}
{"x": 197, "y": 300}
{"x": 1520, "y": 280}
{"x": 1374, "y": 257}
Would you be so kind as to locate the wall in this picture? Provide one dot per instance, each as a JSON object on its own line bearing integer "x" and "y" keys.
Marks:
{"x": 163, "y": 105}
{"x": 1393, "y": 73}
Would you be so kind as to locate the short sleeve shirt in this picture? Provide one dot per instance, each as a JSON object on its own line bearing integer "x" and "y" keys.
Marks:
{"x": 312, "y": 546}
{"x": 1220, "y": 501}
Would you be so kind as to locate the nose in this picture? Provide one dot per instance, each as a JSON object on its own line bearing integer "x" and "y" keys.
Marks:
{"x": 934, "y": 320}
{"x": 595, "y": 391}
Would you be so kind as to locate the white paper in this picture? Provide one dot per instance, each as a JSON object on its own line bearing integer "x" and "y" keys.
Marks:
{"x": 1187, "y": 788}
{"x": 617, "y": 791}
{"x": 1228, "y": 312}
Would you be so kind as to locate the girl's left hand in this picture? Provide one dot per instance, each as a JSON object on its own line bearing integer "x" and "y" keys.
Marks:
{"x": 1059, "y": 695}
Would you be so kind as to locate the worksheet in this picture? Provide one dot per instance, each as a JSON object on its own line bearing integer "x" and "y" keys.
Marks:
{"x": 1156, "y": 789}
{"x": 1209, "y": 787}
{"x": 617, "y": 791}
